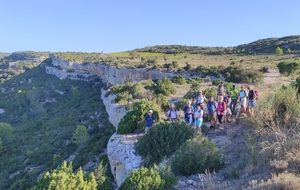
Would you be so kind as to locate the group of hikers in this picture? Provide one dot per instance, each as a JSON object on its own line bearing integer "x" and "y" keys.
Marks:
{"x": 219, "y": 111}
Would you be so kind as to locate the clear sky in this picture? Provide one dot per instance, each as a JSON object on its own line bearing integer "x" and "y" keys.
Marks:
{"x": 120, "y": 25}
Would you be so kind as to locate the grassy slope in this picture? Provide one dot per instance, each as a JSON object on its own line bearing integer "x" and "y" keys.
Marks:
{"x": 43, "y": 132}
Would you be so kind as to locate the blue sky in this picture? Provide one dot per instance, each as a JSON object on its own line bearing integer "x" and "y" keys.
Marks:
{"x": 120, "y": 25}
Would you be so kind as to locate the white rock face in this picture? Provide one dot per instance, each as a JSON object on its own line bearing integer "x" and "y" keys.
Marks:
{"x": 115, "y": 112}
{"x": 108, "y": 74}
{"x": 122, "y": 156}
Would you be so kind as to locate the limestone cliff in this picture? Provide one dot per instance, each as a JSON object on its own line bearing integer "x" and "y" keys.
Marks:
{"x": 115, "y": 112}
{"x": 122, "y": 156}
{"x": 108, "y": 74}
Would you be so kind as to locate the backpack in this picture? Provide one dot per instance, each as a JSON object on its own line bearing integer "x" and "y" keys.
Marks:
{"x": 171, "y": 112}
{"x": 256, "y": 93}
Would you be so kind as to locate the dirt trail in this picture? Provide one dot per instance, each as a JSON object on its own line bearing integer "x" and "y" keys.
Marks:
{"x": 271, "y": 77}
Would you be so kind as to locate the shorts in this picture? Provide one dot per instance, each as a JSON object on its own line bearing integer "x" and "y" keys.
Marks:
{"x": 198, "y": 122}
{"x": 228, "y": 111}
{"x": 220, "y": 118}
{"x": 211, "y": 117}
{"x": 243, "y": 102}
{"x": 251, "y": 104}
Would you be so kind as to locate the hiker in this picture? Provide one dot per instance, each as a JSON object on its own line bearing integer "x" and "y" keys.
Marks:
{"x": 172, "y": 114}
{"x": 221, "y": 89}
{"x": 149, "y": 119}
{"x": 200, "y": 98}
{"x": 188, "y": 112}
{"x": 251, "y": 100}
{"x": 228, "y": 102}
{"x": 194, "y": 104}
{"x": 221, "y": 110}
{"x": 234, "y": 98}
{"x": 243, "y": 99}
{"x": 211, "y": 111}
{"x": 198, "y": 115}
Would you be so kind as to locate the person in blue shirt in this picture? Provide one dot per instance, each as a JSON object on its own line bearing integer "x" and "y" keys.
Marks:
{"x": 211, "y": 109}
{"x": 149, "y": 119}
{"x": 188, "y": 112}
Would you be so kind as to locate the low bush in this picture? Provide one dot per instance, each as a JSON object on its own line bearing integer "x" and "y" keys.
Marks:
{"x": 216, "y": 82}
{"x": 239, "y": 74}
{"x": 277, "y": 120}
{"x": 179, "y": 79}
{"x": 164, "y": 87}
{"x": 162, "y": 140}
{"x": 196, "y": 156}
{"x": 129, "y": 123}
{"x": 288, "y": 67}
{"x": 149, "y": 179}
{"x": 162, "y": 101}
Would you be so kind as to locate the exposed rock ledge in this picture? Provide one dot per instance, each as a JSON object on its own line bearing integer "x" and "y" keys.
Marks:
{"x": 122, "y": 156}
{"x": 107, "y": 73}
{"x": 115, "y": 112}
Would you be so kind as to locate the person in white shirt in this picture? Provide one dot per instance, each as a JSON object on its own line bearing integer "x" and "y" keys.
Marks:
{"x": 200, "y": 98}
{"x": 243, "y": 99}
{"x": 198, "y": 116}
{"x": 172, "y": 114}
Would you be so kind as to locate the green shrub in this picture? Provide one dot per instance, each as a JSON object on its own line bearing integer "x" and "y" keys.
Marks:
{"x": 123, "y": 97}
{"x": 162, "y": 140}
{"x": 129, "y": 123}
{"x": 210, "y": 92}
{"x": 187, "y": 67}
{"x": 264, "y": 69}
{"x": 181, "y": 103}
{"x": 238, "y": 74}
{"x": 164, "y": 87}
{"x": 196, "y": 156}
{"x": 288, "y": 67}
{"x": 277, "y": 119}
{"x": 162, "y": 101}
{"x": 296, "y": 84}
{"x": 216, "y": 82}
{"x": 125, "y": 91}
{"x": 149, "y": 179}
{"x": 179, "y": 79}
{"x": 64, "y": 178}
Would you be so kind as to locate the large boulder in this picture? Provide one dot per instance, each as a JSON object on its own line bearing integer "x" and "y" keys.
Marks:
{"x": 122, "y": 155}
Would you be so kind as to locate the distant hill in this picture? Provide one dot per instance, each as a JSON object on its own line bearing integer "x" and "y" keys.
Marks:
{"x": 289, "y": 44}
{"x": 3, "y": 55}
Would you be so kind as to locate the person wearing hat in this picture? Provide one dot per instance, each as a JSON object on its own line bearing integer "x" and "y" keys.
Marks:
{"x": 149, "y": 119}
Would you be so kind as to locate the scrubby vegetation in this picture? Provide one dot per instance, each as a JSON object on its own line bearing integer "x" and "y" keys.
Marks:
{"x": 289, "y": 67}
{"x": 129, "y": 123}
{"x": 149, "y": 178}
{"x": 38, "y": 129}
{"x": 162, "y": 140}
{"x": 196, "y": 156}
{"x": 63, "y": 178}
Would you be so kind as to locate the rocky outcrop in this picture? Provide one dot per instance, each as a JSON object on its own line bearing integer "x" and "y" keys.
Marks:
{"x": 107, "y": 73}
{"x": 122, "y": 156}
{"x": 115, "y": 112}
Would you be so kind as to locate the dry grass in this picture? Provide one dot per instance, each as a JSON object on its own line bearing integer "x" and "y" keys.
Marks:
{"x": 285, "y": 181}
{"x": 201, "y": 59}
